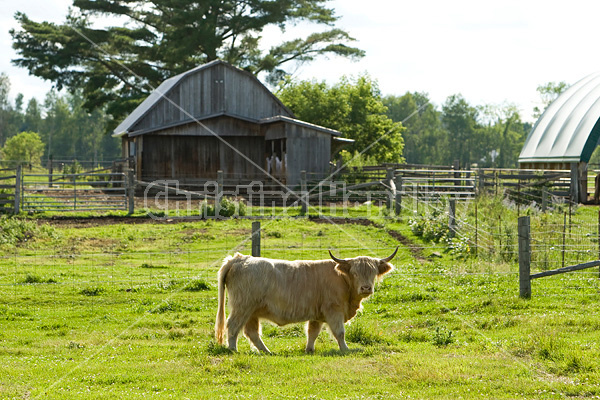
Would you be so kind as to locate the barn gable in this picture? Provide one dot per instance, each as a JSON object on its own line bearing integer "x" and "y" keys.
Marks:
{"x": 209, "y": 90}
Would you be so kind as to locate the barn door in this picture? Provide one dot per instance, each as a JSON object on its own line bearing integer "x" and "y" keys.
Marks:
{"x": 276, "y": 158}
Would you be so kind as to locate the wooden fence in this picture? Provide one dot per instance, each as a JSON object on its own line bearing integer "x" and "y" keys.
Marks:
{"x": 386, "y": 183}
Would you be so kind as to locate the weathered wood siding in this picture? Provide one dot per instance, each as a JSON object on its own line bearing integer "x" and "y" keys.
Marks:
{"x": 221, "y": 126}
{"x": 308, "y": 150}
{"x": 218, "y": 88}
{"x": 190, "y": 158}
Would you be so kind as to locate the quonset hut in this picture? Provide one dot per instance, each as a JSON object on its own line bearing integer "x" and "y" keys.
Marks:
{"x": 219, "y": 117}
{"x": 566, "y": 134}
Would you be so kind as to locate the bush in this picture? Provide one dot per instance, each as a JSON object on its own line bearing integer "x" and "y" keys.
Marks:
{"x": 432, "y": 228}
{"x": 227, "y": 209}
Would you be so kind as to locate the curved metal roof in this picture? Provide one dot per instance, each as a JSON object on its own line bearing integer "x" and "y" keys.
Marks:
{"x": 569, "y": 129}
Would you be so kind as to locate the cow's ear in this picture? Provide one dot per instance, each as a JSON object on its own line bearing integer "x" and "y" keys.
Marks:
{"x": 384, "y": 268}
{"x": 343, "y": 267}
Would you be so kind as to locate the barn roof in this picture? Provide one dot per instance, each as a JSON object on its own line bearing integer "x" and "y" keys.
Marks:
{"x": 162, "y": 91}
{"x": 569, "y": 129}
{"x": 301, "y": 123}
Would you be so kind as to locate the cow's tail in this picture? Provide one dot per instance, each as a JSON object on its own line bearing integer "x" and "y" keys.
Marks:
{"x": 220, "y": 330}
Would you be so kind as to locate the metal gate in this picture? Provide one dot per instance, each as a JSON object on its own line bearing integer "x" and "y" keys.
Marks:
{"x": 86, "y": 191}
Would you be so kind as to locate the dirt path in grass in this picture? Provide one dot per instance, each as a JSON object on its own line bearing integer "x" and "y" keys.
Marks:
{"x": 415, "y": 250}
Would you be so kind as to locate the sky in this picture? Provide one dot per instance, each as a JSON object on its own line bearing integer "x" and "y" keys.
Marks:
{"x": 492, "y": 52}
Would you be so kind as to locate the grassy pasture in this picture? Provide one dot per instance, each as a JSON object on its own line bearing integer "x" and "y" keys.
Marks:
{"x": 126, "y": 310}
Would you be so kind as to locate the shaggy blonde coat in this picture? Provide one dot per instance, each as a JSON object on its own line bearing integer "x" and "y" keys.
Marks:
{"x": 323, "y": 291}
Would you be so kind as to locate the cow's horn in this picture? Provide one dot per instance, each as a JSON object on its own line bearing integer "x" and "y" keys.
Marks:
{"x": 337, "y": 260}
{"x": 388, "y": 259}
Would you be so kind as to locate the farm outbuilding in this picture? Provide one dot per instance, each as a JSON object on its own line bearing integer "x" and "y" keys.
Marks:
{"x": 219, "y": 117}
{"x": 566, "y": 134}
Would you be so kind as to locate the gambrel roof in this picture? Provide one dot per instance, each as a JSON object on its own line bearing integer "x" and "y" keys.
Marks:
{"x": 210, "y": 90}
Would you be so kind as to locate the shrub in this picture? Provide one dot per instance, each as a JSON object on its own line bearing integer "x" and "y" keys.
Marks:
{"x": 433, "y": 227}
{"x": 227, "y": 209}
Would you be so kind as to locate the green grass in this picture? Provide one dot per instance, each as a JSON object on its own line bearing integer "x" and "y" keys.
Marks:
{"x": 127, "y": 311}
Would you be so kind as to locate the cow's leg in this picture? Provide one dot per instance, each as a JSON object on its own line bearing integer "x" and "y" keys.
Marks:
{"x": 235, "y": 322}
{"x": 252, "y": 332}
{"x": 313, "y": 328}
{"x": 336, "y": 324}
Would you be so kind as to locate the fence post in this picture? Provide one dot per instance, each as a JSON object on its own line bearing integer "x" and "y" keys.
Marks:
{"x": 456, "y": 167}
{"x": 50, "y": 171}
{"x": 18, "y": 183}
{"x": 398, "y": 200}
{"x": 452, "y": 217}
{"x": 303, "y": 194}
{"x": 74, "y": 192}
{"x": 476, "y": 231}
{"x": 574, "y": 188}
{"x": 544, "y": 198}
{"x": 219, "y": 194}
{"x": 256, "y": 239}
{"x": 564, "y": 237}
{"x": 524, "y": 257}
{"x": 130, "y": 190}
{"x": 389, "y": 181}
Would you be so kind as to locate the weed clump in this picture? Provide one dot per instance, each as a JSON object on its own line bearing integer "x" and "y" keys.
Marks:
{"x": 358, "y": 333}
{"x": 197, "y": 286}
{"x": 442, "y": 337}
{"x": 92, "y": 291}
{"x": 33, "y": 279}
{"x": 14, "y": 231}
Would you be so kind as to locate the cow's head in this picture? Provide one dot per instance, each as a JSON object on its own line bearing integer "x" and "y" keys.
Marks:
{"x": 362, "y": 271}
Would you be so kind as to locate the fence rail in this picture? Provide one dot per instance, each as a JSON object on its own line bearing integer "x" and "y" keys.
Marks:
{"x": 101, "y": 189}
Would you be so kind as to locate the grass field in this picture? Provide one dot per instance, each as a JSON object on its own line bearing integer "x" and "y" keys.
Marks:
{"x": 125, "y": 309}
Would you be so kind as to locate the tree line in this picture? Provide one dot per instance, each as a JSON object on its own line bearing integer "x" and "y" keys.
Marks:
{"x": 67, "y": 130}
{"x": 406, "y": 128}
{"x": 108, "y": 70}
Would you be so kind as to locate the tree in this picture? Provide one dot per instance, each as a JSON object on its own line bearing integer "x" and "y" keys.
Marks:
{"x": 459, "y": 119}
{"x": 505, "y": 135}
{"x": 119, "y": 66}
{"x": 353, "y": 107}
{"x": 423, "y": 137}
{"x": 26, "y": 147}
{"x": 548, "y": 93}
{"x": 70, "y": 132}
{"x": 33, "y": 117}
{"x": 10, "y": 117}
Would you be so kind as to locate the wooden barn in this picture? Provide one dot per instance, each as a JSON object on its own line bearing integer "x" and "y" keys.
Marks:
{"x": 218, "y": 117}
